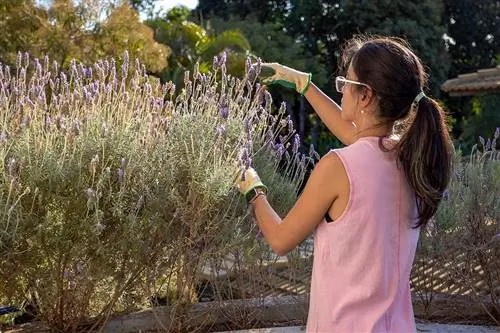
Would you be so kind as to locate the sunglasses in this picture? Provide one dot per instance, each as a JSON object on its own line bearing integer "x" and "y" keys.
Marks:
{"x": 340, "y": 83}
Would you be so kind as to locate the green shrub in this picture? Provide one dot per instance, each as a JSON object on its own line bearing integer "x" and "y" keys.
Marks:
{"x": 116, "y": 187}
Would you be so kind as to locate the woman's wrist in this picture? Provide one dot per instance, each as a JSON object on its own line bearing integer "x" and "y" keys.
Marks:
{"x": 257, "y": 192}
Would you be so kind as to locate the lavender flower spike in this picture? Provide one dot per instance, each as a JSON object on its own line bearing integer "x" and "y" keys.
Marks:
{"x": 224, "y": 112}
{"x": 296, "y": 143}
{"x": 121, "y": 175}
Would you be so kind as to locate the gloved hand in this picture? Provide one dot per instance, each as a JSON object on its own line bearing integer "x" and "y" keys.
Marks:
{"x": 251, "y": 186}
{"x": 288, "y": 77}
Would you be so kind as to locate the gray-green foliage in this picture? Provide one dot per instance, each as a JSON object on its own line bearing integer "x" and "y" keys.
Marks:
{"x": 464, "y": 237}
{"x": 112, "y": 181}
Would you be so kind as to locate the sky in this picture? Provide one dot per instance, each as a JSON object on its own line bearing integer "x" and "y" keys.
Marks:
{"x": 167, "y": 4}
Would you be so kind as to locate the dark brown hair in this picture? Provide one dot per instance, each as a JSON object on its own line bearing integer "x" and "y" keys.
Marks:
{"x": 424, "y": 149}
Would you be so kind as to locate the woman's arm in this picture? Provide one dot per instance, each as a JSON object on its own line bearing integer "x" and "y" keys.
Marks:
{"x": 317, "y": 197}
{"x": 324, "y": 106}
{"x": 329, "y": 113}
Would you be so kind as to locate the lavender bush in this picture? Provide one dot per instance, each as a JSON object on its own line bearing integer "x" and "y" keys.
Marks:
{"x": 464, "y": 237}
{"x": 116, "y": 187}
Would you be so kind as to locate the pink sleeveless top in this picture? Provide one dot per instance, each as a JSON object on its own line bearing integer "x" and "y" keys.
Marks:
{"x": 362, "y": 260}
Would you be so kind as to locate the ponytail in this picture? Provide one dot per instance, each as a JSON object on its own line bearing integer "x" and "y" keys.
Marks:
{"x": 425, "y": 152}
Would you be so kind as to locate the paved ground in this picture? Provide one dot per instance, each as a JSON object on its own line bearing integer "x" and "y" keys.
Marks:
{"x": 424, "y": 328}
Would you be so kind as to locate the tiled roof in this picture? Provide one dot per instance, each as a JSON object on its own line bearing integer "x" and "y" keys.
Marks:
{"x": 482, "y": 81}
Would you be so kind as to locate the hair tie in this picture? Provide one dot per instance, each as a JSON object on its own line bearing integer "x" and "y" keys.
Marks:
{"x": 419, "y": 97}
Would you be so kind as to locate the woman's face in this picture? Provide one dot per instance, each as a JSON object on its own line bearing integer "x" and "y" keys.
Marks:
{"x": 350, "y": 99}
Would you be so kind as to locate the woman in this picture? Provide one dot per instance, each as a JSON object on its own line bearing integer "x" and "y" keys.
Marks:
{"x": 365, "y": 202}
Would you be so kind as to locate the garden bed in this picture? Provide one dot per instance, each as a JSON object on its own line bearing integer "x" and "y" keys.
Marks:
{"x": 265, "y": 312}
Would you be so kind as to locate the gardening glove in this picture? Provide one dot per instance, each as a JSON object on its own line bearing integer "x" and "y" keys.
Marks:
{"x": 288, "y": 77}
{"x": 251, "y": 186}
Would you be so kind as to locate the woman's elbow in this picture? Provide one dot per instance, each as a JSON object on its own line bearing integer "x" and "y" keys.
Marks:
{"x": 281, "y": 249}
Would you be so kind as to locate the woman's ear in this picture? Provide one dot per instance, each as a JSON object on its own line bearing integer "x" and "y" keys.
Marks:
{"x": 368, "y": 97}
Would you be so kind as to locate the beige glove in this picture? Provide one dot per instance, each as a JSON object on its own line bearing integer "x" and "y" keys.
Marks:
{"x": 288, "y": 77}
{"x": 251, "y": 186}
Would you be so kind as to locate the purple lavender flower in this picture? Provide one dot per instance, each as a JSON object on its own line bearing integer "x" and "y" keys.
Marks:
{"x": 22, "y": 74}
{"x": 140, "y": 203}
{"x": 90, "y": 193}
{"x": 258, "y": 66}
{"x": 76, "y": 127}
{"x": 67, "y": 275}
{"x": 248, "y": 64}
{"x": 313, "y": 153}
{"x": 99, "y": 227}
{"x": 259, "y": 234}
{"x": 79, "y": 267}
{"x": 107, "y": 89}
{"x": 29, "y": 102}
{"x": 7, "y": 72}
{"x": 215, "y": 63}
{"x": 12, "y": 167}
{"x": 147, "y": 88}
{"x": 95, "y": 87}
{"x": 223, "y": 58}
{"x": 104, "y": 129}
{"x": 88, "y": 73}
{"x": 446, "y": 195}
{"x": 48, "y": 121}
{"x": 121, "y": 175}
{"x": 268, "y": 99}
{"x": 19, "y": 59}
{"x": 26, "y": 59}
{"x": 269, "y": 135}
{"x": 46, "y": 63}
{"x": 64, "y": 79}
{"x": 296, "y": 143}
{"x": 38, "y": 67}
{"x": 247, "y": 125}
{"x": 252, "y": 75}
{"x": 221, "y": 130}
{"x": 58, "y": 122}
{"x": 481, "y": 139}
{"x": 255, "y": 119}
{"x": 224, "y": 112}
{"x": 280, "y": 149}
{"x": 497, "y": 133}
{"x": 26, "y": 121}
{"x": 244, "y": 155}
{"x": 125, "y": 64}
{"x": 164, "y": 123}
{"x": 290, "y": 123}
{"x": 72, "y": 66}
{"x": 248, "y": 163}
{"x": 3, "y": 137}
